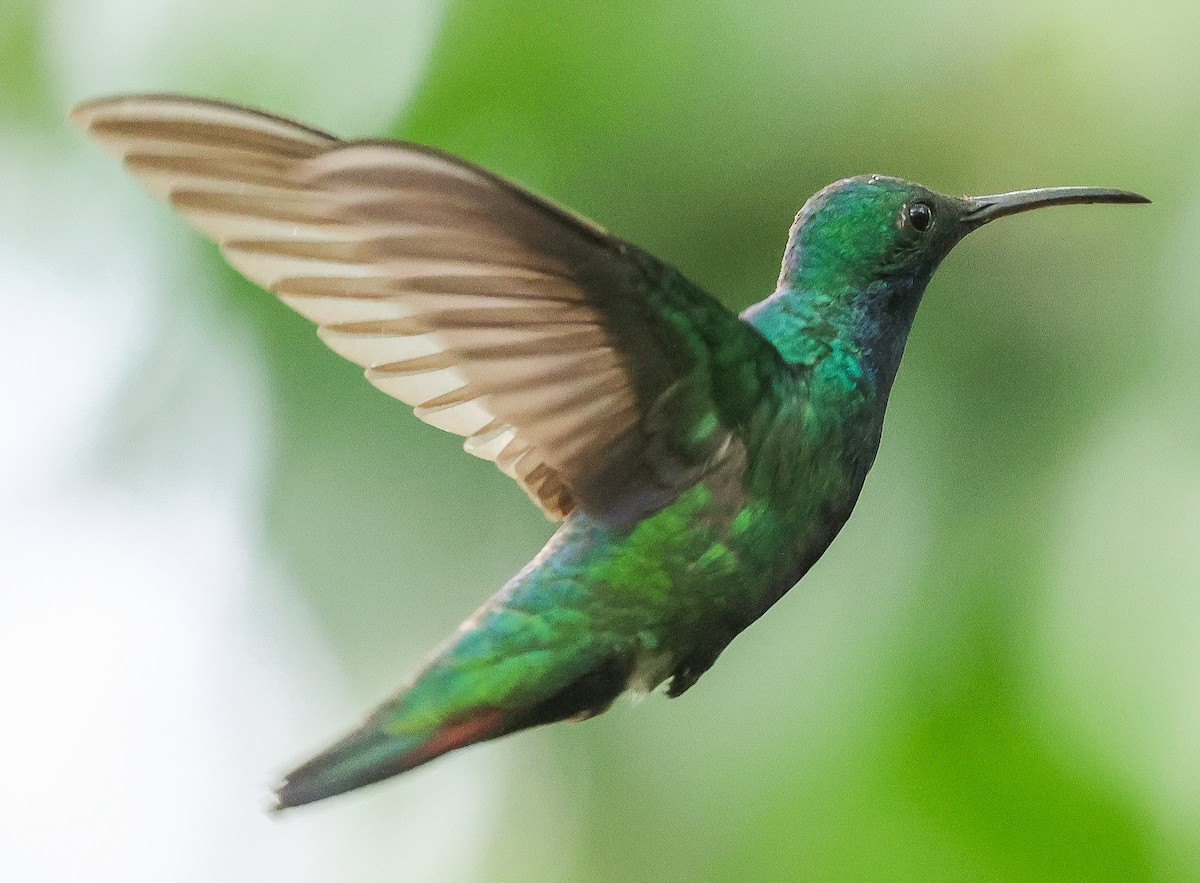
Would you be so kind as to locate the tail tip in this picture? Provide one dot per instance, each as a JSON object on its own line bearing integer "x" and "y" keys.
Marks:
{"x": 293, "y": 791}
{"x": 281, "y": 798}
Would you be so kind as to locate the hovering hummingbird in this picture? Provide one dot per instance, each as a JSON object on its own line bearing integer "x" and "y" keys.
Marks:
{"x": 700, "y": 462}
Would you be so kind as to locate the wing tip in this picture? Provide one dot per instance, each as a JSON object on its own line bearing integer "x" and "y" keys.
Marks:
{"x": 86, "y": 113}
{"x": 83, "y": 113}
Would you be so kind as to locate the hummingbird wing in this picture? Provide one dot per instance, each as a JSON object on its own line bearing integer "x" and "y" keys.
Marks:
{"x": 587, "y": 370}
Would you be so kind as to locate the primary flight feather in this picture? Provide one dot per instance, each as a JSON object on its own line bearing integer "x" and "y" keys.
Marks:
{"x": 700, "y": 462}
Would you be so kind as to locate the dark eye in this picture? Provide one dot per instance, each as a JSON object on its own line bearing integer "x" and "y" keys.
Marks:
{"x": 919, "y": 216}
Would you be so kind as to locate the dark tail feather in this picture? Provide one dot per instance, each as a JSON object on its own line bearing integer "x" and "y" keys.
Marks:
{"x": 372, "y": 753}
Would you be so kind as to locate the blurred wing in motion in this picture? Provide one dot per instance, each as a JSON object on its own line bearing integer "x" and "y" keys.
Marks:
{"x": 579, "y": 364}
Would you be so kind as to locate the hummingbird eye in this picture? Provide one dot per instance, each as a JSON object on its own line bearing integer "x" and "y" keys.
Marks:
{"x": 919, "y": 216}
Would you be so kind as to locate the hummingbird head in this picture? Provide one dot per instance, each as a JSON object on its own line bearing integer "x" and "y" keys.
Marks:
{"x": 879, "y": 237}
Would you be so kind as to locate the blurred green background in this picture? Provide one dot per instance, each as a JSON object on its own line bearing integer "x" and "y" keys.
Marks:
{"x": 994, "y": 673}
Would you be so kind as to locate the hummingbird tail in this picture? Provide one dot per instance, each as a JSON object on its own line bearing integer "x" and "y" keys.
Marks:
{"x": 372, "y": 753}
{"x": 505, "y": 670}
{"x": 409, "y": 730}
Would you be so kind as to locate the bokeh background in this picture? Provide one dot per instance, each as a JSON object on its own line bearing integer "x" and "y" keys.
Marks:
{"x": 220, "y": 545}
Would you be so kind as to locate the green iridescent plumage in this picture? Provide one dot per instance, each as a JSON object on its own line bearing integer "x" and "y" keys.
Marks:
{"x": 700, "y": 461}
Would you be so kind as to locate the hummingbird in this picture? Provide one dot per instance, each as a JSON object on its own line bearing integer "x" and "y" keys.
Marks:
{"x": 699, "y": 462}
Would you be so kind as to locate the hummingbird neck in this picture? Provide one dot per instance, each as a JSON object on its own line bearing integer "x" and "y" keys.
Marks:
{"x": 869, "y": 326}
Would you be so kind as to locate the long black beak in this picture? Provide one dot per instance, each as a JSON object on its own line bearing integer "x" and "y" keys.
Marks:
{"x": 982, "y": 209}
